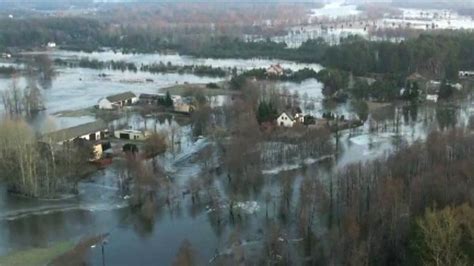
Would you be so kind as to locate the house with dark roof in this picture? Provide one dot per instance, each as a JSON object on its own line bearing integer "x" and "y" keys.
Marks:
{"x": 275, "y": 70}
{"x": 92, "y": 131}
{"x": 285, "y": 120}
{"x": 118, "y": 100}
{"x": 150, "y": 99}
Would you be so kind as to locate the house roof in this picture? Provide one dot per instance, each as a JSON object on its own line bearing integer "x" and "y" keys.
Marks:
{"x": 276, "y": 68}
{"x": 121, "y": 97}
{"x": 151, "y": 96}
{"x": 287, "y": 114}
{"x": 74, "y": 132}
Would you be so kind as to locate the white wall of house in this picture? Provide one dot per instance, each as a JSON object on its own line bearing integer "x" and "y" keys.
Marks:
{"x": 432, "y": 97}
{"x": 183, "y": 107}
{"x": 466, "y": 73}
{"x": 285, "y": 121}
{"x": 85, "y": 137}
{"x": 105, "y": 104}
{"x": 133, "y": 134}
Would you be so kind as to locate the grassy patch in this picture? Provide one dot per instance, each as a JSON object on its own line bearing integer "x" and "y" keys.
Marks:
{"x": 373, "y": 106}
{"x": 184, "y": 89}
{"x": 36, "y": 256}
{"x": 77, "y": 113}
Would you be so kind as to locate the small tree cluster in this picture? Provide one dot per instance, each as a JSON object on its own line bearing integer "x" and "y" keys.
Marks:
{"x": 266, "y": 112}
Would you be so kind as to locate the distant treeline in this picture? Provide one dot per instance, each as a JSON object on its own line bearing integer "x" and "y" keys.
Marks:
{"x": 440, "y": 55}
{"x": 7, "y": 70}
{"x": 153, "y": 68}
{"x": 298, "y": 76}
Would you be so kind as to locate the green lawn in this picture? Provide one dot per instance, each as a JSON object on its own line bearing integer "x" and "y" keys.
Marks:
{"x": 36, "y": 256}
{"x": 184, "y": 89}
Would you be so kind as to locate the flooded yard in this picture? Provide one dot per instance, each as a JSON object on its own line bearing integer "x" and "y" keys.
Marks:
{"x": 100, "y": 208}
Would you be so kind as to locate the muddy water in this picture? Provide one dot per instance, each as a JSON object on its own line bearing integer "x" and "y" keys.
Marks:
{"x": 137, "y": 239}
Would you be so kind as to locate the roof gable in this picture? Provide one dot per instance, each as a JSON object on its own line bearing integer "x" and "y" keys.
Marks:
{"x": 288, "y": 115}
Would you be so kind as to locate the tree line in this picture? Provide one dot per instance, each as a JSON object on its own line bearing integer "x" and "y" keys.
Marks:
{"x": 439, "y": 54}
{"x": 199, "y": 70}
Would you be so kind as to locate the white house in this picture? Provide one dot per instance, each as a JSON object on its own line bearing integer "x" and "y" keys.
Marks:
{"x": 432, "y": 97}
{"x": 118, "y": 100}
{"x": 131, "y": 134}
{"x": 457, "y": 86}
{"x": 465, "y": 74}
{"x": 183, "y": 107}
{"x": 285, "y": 120}
{"x": 299, "y": 117}
{"x": 51, "y": 44}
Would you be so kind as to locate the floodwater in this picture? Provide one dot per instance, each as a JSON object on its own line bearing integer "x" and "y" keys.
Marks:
{"x": 150, "y": 239}
{"x": 176, "y": 59}
{"x": 78, "y": 88}
{"x": 338, "y": 20}
{"x": 335, "y": 9}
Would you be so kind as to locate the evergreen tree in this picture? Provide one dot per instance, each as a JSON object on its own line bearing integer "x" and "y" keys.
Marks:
{"x": 266, "y": 112}
{"x": 168, "y": 100}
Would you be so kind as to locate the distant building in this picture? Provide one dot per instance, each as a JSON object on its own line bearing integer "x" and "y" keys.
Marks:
{"x": 130, "y": 134}
{"x": 466, "y": 74}
{"x": 92, "y": 131}
{"x": 457, "y": 86}
{"x": 299, "y": 118}
{"x": 6, "y": 55}
{"x": 183, "y": 105}
{"x": 51, "y": 45}
{"x": 275, "y": 70}
{"x": 285, "y": 120}
{"x": 118, "y": 101}
{"x": 432, "y": 97}
{"x": 150, "y": 99}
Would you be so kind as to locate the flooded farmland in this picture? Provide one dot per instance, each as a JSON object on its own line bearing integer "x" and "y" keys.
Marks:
{"x": 225, "y": 217}
{"x": 99, "y": 207}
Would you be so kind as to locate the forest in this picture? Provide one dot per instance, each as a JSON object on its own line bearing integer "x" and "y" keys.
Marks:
{"x": 440, "y": 54}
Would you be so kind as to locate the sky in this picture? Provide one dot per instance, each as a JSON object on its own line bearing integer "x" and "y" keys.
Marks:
{"x": 46, "y": 4}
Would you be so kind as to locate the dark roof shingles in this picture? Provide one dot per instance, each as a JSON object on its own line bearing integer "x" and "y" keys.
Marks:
{"x": 74, "y": 132}
{"x": 121, "y": 97}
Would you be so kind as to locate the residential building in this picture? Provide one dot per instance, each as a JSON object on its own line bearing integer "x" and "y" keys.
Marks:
{"x": 275, "y": 70}
{"x": 118, "y": 100}
{"x": 466, "y": 74}
{"x": 92, "y": 131}
{"x": 183, "y": 105}
{"x": 285, "y": 120}
{"x": 299, "y": 117}
{"x": 150, "y": 99}
{"x": 131, "y": 134}
{"x": 432, "y": 97}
